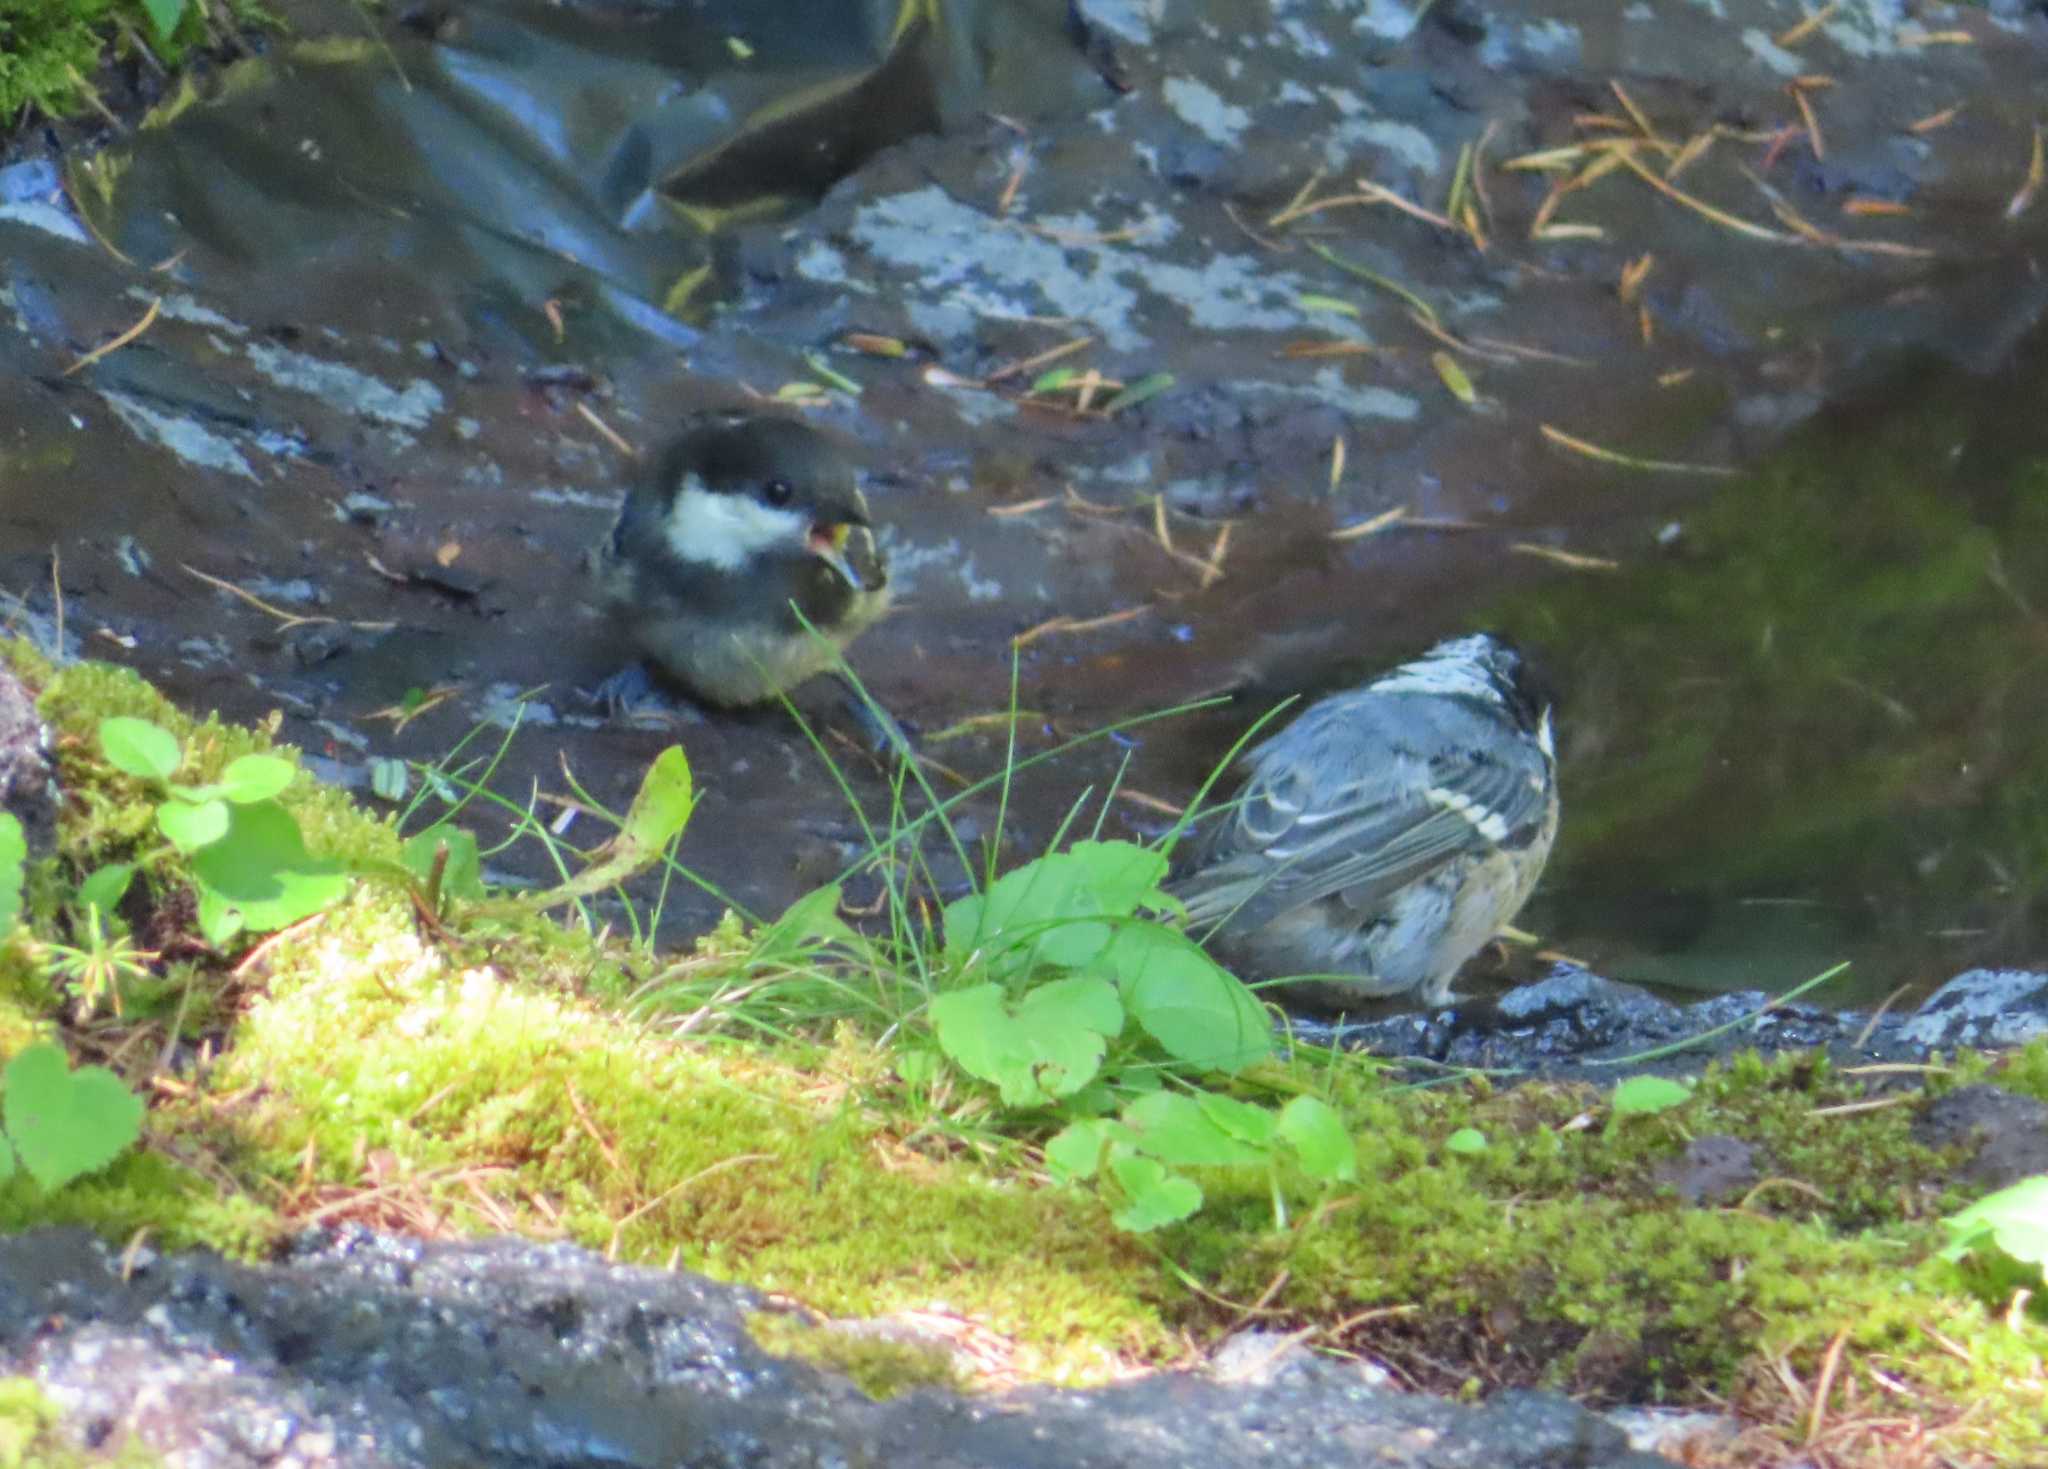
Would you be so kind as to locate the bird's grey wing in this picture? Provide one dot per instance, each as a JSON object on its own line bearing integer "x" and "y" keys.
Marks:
{"x": 1292, "y": 841}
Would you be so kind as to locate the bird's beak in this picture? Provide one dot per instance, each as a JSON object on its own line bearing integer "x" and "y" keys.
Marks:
{"x": 828, "y": 544}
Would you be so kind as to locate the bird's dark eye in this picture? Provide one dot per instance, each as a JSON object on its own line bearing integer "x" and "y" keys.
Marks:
{"x": 777, "y": 492}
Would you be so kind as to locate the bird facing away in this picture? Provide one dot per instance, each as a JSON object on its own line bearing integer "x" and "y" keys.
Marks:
{"x": 743, "y": 523}
{"x": 1388, "y": 833}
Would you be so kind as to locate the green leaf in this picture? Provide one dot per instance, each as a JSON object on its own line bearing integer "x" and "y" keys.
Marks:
{"x": 657, "y": 817}
{"x": 1075, "y": 1152}
{"x": 1466, "y": 1140}
{"x": 1178, "y": 1129}
{"x": 1202, "y": 1015}
{"x": 1052, "y": 910}
{"x": 2014, "y": 1221}
{"x": 106, "y": 886}
{"x": 810, "y": 921}
{"x": 6, "y": 1162}
{"x": 163, "y": 18}
{"x": 463, "y": 876}
{"x": 137, "y": 747}
{"x": 218, "y": 920}
{"x": 1053, "y": 380}
{"x": 1246, "y": 1121}
{"x": 389, "y": 779}
{"x": 1049, "y": 1045}
{"x": 13, "y": 856}
{"x": 255, "y": 778}
{"x": 1149, "y": 386}
{"x": 191, "y": 827}
{"x": 262, "y": 871}
{"x": 1647, "y": 1095}
{"x": 1319, "y": 1139}
{"x": 1157, "y": 1196}
{"x": 66, "y": 1123}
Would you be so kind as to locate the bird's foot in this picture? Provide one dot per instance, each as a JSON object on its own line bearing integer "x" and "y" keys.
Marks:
{"x": 882, "y": 734}
{"x": 632, "y": 697}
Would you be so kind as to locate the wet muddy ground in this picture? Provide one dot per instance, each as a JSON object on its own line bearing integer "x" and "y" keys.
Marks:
{"x": 403, "y": 326}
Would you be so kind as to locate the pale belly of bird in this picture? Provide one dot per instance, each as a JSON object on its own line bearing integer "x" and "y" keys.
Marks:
{"x": 737, "y": 665}
{"x": 1415, "y": 941}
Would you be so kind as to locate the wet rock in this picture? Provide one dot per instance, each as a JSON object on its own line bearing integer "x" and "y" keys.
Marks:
{"x": 361, "y": 1349}
{"x": 1982, "y": 1007}
{"x": 2007, "y": 1133}
{"x": 28, "y": 785}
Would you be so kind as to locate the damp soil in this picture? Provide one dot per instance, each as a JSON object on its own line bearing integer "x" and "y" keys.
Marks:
{"x": 404, "y": 292}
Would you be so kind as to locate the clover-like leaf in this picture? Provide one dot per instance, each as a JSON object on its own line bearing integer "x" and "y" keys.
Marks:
{"x": 260, "y": 870}
{"x": 1157, "y": 1195}
{"x": 1048, "y": 1045}
{"x": 1466, "y": 1140}
{"x": 462, "y": 873}
{"x": 106, "y": 886}
{"x": 1197, "y": 1011}
{"x": 137, "y": 747}
{"x": 1643, "y": 1096}
{"x": 1319, "y": 1139}
{"x": 254, "y": 778}
{"x": 13, "y": 854}
{"x": 65, "y": 1123}
{"x": 190, "y": 827}
{"x": 2014, "y": 1221}
{"x": 1180, "y": 1130}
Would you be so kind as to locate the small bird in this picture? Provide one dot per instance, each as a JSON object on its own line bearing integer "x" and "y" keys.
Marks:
{"x": 1388, "y": 833}
{"x": 745, "y": 522}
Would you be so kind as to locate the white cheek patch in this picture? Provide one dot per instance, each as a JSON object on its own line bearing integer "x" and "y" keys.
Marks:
{"x": 728, "y": 531}
{"x": 1489, "y": 824}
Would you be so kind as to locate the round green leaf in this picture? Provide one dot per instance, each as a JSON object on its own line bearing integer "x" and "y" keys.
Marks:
{"x": 1646, "y": 1095}
{"x": 1319, "y": 1139}
{"x": 255, "y": 778}
{"x": 139, "y": 748}
{"x": 191, "y": 827}
{"x": 13, "y": 853}
{"x": 1466, "y": 1140}
{"x": 1177, "y": 1129}
{"x": 66, "y": 1123}
{"x": 1198, "y": 1012}
{"x": 1157, "y": 1197}
{"x": 107, "y": 885}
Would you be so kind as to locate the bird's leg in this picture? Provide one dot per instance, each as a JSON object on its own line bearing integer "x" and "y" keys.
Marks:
{"x": 633, "y": 695}
{"x": 883, "y": 734}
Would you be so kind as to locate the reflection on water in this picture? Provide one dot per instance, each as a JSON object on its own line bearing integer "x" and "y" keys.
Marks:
{"x": 1815, "y": 727}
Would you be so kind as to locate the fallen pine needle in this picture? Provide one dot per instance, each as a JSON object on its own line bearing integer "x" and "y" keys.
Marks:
{"x": 611, "y": 436}
{"x": 1627, "y": 461}
{"x": 1935, "y": 120}
{"x": 1570, "y": 559}
{"x": 156, "y": 305}
{"x": 285, "y": 620}
{"x": 1076, "y": 624}
{"x": 1150, "y": 803}
{"x": 1051, "y": 354}
{"x": 1371, "y": 527}
{"x": 1635, "y": 114}
{"x": 1702, "y": 207}
{"x": 974, "y": 723}
{"x": 2024, "y": 199}
{"x": 1337, "y": 453}
{"x": 1800, "y": 32}
{"x": 1024, "y": 507}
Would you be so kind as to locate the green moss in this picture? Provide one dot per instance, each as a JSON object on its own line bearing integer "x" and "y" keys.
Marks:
{"x": 878, "y": 1366}
{"x": 29, "y": 1437}
{"x": 487, "y": 1080}
{"x": 50, "y": 49}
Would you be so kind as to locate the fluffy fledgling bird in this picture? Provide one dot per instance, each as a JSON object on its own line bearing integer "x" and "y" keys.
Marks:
{"x": 1388, "y": 833}
{"x": 744, "y": 522}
